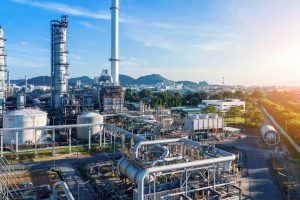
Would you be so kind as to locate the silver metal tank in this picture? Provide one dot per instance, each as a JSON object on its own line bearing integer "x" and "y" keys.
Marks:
{"x": 269, "y": 135}
{"x": 129, "y": 170}
{"x": 88, "y": 118}
{"x": 20, "y": 101}
{"x": 23, "y": 118}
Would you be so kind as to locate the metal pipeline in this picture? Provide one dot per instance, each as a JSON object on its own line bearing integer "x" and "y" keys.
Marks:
{"x": 137, "y": 175}
{"x": 166, "y": 150}
{"x": 128, "y": 169}
{"x": 146, "y": 172}
{"x": 154, "y": 142}
{"x": 143, "y": 143}
{"x": 65, "y": 188}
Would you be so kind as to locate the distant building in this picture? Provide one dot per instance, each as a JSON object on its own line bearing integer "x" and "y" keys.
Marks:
{"x": 42, "y": 87}
{"x": 178, "y": 86}
{"x": 204, "y": 122}
{"x": 223, "y": 105}
{"x": 109, "y": 96}
{"x": 111, "y": 99}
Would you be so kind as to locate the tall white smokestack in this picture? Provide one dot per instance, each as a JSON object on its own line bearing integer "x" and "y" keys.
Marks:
{"x": 2, "y": 68}
{"x": 115, "y": 41}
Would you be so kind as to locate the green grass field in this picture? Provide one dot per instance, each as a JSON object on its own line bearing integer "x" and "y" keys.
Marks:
{"x": 29, "y": 155}
{"x": 231, "y": 120}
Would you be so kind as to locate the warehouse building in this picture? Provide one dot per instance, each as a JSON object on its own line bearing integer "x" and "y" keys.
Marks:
{"x": 204, "y": 122}
{"x": 223, "y": 105}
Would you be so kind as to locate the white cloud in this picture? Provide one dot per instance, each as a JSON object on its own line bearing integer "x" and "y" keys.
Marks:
{"x": 154, "y": 42}
{"x": 83, "y": 12}
{"x": 24, "y": 47}
{"x": 212, "y": 45}
{"x": 26, "y": 61}
{"x": 26, "y": 55}
{"x": 90, "y": 25}
{"x": 131, "y": 61}
{"x": 162, "y": 25}
{"x": 67, "y": 9}
{"x": 74, "y": 56}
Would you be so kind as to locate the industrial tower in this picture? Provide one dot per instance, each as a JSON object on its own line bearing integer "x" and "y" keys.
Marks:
{"x": 2, "y": 71}
{"x": 59, "y": 64}
{"x": 115, "y": 42}
{"x": 110, "y": 96}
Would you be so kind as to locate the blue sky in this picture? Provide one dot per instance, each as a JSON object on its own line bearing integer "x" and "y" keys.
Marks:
{"x": 253, "y": 42}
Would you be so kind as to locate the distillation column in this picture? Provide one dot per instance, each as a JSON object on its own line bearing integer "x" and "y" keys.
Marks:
{"x": 115, "y": 41}
{"x": 2, "y": 71}
{"x": 59, "y": 65}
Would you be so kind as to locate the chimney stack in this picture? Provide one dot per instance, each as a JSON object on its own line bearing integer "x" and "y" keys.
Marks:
{"x": 115, "y": 41}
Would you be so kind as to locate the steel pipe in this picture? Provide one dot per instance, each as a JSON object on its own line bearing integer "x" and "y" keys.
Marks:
{"x": 142, "y": 175}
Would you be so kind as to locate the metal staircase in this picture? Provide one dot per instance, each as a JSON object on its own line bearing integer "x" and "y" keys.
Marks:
{"x": 8, "y": 181}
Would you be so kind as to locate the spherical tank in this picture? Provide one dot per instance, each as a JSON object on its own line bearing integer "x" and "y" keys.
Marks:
{"x": 20, "y": 119}
{"x": 88, "y": 118}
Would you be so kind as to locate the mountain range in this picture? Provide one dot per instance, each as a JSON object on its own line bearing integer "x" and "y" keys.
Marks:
{"x": 125, "y": 80}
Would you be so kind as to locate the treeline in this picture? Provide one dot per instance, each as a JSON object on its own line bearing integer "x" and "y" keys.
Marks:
{"x": 253, "y": 116}
{"x": 174, "y": 99}
{"x": 285, "y": 111}
{"x": 165, "y": 99}
{"x": 285, "y": 99}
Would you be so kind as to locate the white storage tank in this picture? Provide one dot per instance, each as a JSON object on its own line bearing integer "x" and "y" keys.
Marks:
{"x": 167, "y": 122}
{"x": 23, "y": 118}
{"x": 88, "y": 118}
{"x": 270, "y": 135}
{"x": 20, "y": 101}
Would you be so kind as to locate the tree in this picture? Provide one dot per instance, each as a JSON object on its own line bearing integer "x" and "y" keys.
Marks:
{"x": 257, "y": 93}
{"x": 239, "y": 94}
{"x": 210, "y": 109}
{"x": 257, "y": 117}
{"x": 131, "y": 96}
{"x": 177, "y": 99}
{"x": 193, "y": 99}
{"x": 227, "y": 95}
{"x": 217, "y": 96}
{"x": 235, "y": 111}
{"x": 145, "y": 93}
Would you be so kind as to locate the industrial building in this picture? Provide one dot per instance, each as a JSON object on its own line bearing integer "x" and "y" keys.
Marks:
{"x": 204, "y": 122}
{"x": 151, "y": 154}
{"x": 223, "y": 105}
{"x": 59, "y": 65}
{"x": 64, "y": 103}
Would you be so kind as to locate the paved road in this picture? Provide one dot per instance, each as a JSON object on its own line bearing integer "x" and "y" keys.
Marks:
{"x": 63, "y": 162}
{"x": 289, "y": 144}
{"x": 75, "y": 183}
{"x": 72, "y": 176}
{"x": 261, "y": 182}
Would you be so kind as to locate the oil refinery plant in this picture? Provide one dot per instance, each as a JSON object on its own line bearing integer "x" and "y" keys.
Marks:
{"x": 112, "y": 153}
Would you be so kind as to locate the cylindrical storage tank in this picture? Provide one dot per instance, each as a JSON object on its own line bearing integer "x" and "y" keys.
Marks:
{"x": 131, "y": 171}
{"x": 21, "y": 119}
{"x": 20, "y": 101}
{"x": 88, "y": 118}
{"x": 269, "y": 135}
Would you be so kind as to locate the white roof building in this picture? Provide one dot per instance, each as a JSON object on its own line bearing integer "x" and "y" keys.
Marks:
{"x": 203, "y": 122}
{"x": 223, "y": 105}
